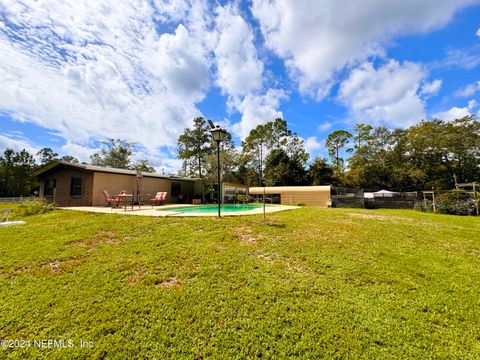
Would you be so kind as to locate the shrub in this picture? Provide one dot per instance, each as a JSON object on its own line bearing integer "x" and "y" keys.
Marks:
{"x": 301, "y": 204}
{"x": 35, "y": 207}
{"x": 455, "y": 203}
{"x": 241, "y": 199}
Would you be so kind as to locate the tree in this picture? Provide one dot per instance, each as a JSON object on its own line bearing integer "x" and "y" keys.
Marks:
{"x": 15, "y": 170}
{"x": 281, "y": 169}
{"x": 335, "y": 142}
{"x": 229, "y": 160}
{"x": 144, "y": 165}
{"x": 114, "y": 153}
{"x": 320, "y": 172}
{"x": 265, "y": 138}
{"x": 23, "y": 180}
{"x": 362, "y": 135}
{"x": 6, "y": 163}
{"x": 70, "y": 159}
{"x": 46, "y": 155}
{"x": 441, "y": 150}
{"x": 427, "y": 154}
{"x": 194, "y": 145}
{"x": 261, "y": 139}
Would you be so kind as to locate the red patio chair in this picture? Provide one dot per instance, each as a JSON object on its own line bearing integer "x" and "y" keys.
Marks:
{"x": 109, "y": 200}
{"x": 159, "y": 198}
{"x": 121, "y": 198}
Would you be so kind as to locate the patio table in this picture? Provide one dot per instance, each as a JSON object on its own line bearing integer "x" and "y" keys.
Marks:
{"x": 131, "y": 199}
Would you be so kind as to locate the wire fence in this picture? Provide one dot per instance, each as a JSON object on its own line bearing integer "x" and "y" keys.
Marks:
{"x": 16, "y": 200}
{"x": 457, "y": 201}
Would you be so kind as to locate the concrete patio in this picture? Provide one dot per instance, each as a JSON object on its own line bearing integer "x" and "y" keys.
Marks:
{"x": 157, "y": 211}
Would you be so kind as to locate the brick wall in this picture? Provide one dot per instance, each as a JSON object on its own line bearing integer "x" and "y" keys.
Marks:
{"x": 62, "y": 190}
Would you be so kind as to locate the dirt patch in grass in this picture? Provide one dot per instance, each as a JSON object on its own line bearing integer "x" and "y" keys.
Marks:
{"x": 245, "y": 234}
{"x": 137, "y": 275}
{"x": 269, "y": 258}
{"x": 345, "y": 221}
{"x": 61, "y": 266}
{"x": 172, "y": 282}
{"x": 288, "y": 263}
{"x": 377, "y": 217}
{"x": 102, "y": 237}
{"x": 141, "y": 276}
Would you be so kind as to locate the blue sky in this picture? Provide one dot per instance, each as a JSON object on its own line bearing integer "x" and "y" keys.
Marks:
{"x": 74, "y": 73}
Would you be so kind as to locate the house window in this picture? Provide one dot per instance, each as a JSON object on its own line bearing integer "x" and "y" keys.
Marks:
{"x": 76, "y": 186}
{"x": 176, "y": 188}
{"x": 49, "y": 186}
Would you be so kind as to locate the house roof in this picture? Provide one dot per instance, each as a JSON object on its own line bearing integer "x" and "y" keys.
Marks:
{"x": 51, "y": 165}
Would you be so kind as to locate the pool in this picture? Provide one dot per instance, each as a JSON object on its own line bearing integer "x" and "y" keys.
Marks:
{"x": 213, "y": 209}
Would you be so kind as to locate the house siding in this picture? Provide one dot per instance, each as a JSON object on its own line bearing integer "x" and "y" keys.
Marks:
{"x": 115, "y": 183}
{"x": 61, "y": 195}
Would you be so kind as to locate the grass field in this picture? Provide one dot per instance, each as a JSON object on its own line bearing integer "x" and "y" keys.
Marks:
{"x": 308, "y": 283}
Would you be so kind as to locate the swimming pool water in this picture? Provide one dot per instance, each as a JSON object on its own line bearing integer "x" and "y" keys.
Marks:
{"x": 213, "y": 208}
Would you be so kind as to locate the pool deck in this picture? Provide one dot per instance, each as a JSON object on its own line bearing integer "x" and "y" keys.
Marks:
{"x": 157, "y": 210}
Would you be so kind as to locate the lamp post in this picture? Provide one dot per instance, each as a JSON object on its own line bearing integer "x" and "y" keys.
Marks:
{"x": 218, "y": 134}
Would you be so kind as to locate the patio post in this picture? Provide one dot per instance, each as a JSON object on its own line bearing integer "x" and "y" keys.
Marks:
{"x": 219, "y": 190}
{"x": 218, "y": 135}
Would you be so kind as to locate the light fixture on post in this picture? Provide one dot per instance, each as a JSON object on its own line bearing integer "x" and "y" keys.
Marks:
{"x": 218, "y": 134}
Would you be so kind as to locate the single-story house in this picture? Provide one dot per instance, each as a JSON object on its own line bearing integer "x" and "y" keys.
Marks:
{"x": 291, "y": 195}
{"x": 71, "y": 184}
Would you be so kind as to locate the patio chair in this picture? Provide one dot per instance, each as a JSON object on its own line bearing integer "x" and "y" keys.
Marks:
{"x": 159, "y": 198}
{"x": 120, "y": 198}
{"x": 112, "y": 202}
{"x": 183, "y": 198}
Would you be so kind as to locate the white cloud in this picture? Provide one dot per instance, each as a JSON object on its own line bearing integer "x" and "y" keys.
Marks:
{"x": 324, "y": 126}
{"x": 478, "y": 32}
{"x": 387, "y": 94}
{"x": 466, "y": 58}
{"x": 312, "y": 144}
{"x": 161, "y": 161}
{"x": 468, "y": 90}
{"x": 258, "y": 109}
{"x": 103, "y": 71}
{"x": 81, "y": 152}
{"x": 431, "y": 88}
{"x": 472, "y": 104}
{"x": 319, "y": 38}
{"x": 179, "y": 62}
{"x": 17, "y": 144}
{"x": 239, "y": 71}
{"x": 452, "y": 113}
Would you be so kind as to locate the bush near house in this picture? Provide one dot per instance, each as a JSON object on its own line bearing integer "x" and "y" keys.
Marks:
{"x": 29, "y": 208}
{"x": 456, "y": 202}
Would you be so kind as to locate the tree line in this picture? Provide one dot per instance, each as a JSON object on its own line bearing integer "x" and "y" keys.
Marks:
{"x": 430, "y": 154}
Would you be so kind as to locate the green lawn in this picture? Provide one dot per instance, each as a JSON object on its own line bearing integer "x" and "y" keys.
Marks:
{"x": 308, "y": 283}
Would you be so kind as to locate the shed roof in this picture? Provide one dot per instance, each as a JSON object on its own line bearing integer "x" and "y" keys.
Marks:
{"x": 51, "y": 165}
{"x": 288, "y": 189}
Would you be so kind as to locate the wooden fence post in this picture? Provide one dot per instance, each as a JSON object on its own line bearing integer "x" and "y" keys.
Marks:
{"x": 433, "y": 197}
{"x": 475, "y": 197}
